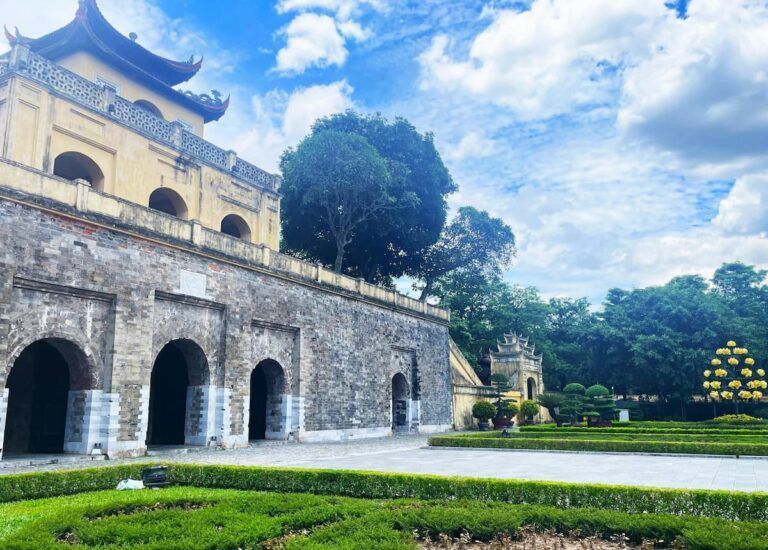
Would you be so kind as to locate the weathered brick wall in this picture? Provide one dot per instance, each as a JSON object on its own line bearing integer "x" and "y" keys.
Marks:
{"x": 120, "y": 298}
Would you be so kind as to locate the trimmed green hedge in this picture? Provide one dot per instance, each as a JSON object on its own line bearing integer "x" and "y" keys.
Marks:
{"x": 723, "y": 504}
{"x": 641, "y": 430}
{"x": 603, "y": 445}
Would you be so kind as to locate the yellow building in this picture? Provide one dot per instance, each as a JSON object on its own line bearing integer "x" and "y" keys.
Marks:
{"x": 87, "y": 103}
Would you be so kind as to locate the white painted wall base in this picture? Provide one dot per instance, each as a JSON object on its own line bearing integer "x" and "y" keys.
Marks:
{"x": 343, "y": 435}
{"x": 89, "y": 424}
{"x": 434, "y": 428}
{"x": 201, "y": 426}
{"x": 3, "y": 414}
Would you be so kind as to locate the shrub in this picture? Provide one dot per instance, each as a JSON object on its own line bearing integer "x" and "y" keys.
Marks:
{"x": 529, "y": 408}
{"x": 483, "y": 411}
{"x": 601, "y": 402}
{"x": 737, "y": 418}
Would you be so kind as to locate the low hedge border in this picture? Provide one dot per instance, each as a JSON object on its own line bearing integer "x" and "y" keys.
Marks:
{"x": 603, "y": 445}
{"x": 719, "y": 504}
{"x": 640, "y": 430}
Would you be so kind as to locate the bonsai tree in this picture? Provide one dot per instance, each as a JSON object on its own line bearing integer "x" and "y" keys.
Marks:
{"x": 600, "y": 402}
{"x": 574, "y": 403}
{"x": 505, "y": 408}
{"x": 528, "y": 408}
{"x": 552, "y": 401}
{"x": 483, "y": 411}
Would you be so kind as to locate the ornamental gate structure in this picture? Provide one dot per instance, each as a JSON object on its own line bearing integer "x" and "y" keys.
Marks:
{"x": 142, "y": 298}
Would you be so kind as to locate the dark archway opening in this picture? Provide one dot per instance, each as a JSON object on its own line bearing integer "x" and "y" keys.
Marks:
{"x": 169, "y": 202}
{"x": 236, "y": 227}
{"x": 531, "y": 387}
{"x": 257, "y": 423}
{"x": 73, "y": 165}
{"x": 38, "y": 387}
{"x": 265, "y": 417}
{"x": 168, "y": 397}
{"x": 399, "y": 403}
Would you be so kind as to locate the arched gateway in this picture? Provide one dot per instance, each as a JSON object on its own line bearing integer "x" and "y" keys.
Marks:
{"x": 400, "y": 404}
{"x": 267, "y": 414}
{"x": 39, "y": 384}
{"x": 175, "y": 407}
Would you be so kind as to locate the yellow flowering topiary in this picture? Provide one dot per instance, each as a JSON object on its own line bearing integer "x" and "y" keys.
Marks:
{"x": 733, "y": 361}
{"x": 749, "y": 361}
{"x": 714, "y": 395}
{"x": 720, "y": 373}
{"x": 757, "y": 395}
{"x": 706, "y": 385}
{"x": 746, "y": 373}
{"x": 726, "y": 394}
{"x": 715, "y": 385}
{"x": 715, "y": 363}
{"x": 731, "y": 344}
{"x": 744, "y": 394}
{"x": 761, "y": 372}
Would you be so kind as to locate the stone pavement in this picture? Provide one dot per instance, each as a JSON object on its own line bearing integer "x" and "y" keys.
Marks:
{"x": 407, "y": 454}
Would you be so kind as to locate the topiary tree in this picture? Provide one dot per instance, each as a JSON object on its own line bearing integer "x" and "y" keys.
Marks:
{"x": 600, "y": 401}
{"x": 500, "y": 385}
{"x": 528, "y": 408}
{"x": 744, "y": 383}
{"x": 574, "y": 404}
{"x": 483, "y": 411}
{"x": 552, "y": 401}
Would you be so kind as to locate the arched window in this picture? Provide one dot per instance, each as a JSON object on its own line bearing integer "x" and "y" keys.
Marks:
{"x": 168, "y": 201}
{"x": 150, "y": 107}
{"x": 236, "y": 226}
{"x": 400, "y": 403}
{"x": 73, "y": 165}
{"x": 265, "y": 412}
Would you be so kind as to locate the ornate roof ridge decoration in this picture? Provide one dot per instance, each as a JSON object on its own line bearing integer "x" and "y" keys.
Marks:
{"x": 515, "y": 345}
{"x": 90, "y": 31}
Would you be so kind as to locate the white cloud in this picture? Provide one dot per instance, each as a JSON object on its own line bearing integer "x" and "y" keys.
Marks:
{"x": 703, "y": 93}
{"x": 318, "y": 39}
{"x": 745, "y": 210}
{"x": 278, "y": 120}
{"x": 473, "y": 144}
{"x": 556, "y": 57}
{"x": 344, "y": 9}
{"x": 311, "y": 40}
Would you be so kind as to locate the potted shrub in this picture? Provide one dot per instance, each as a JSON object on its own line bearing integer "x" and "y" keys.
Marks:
{"x": 483, "y": 411}
{"x": 528, "y": 409}
{"x": 602, "y": 404}
{"x": 505, "y": 408}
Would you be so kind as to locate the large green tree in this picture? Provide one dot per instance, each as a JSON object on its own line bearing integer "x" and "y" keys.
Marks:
{"x": 335, "y": 183}
{"x": 473, "y": 240}
{"x": 391, "y": 243}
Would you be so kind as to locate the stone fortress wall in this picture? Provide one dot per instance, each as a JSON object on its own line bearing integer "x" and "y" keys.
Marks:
{"x": 110, "y": 283}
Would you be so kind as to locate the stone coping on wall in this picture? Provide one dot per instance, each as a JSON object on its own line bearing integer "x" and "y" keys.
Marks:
{"x": 22, "y": 183}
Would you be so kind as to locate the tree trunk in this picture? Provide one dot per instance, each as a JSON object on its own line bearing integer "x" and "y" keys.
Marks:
{"x": 339, "y": 256}
{"x": 425, "y": 292}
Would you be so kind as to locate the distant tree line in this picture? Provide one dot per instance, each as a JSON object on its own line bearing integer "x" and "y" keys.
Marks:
{"x": 646, "y": 342}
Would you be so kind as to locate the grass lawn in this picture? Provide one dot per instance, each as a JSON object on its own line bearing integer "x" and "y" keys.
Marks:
{"x": 190, "y": 518}
{"x": 684, "y": 438}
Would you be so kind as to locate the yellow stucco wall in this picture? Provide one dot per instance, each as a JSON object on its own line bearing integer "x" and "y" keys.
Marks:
{"x": 90, "y": 67}
{"x": 38, "y": 126}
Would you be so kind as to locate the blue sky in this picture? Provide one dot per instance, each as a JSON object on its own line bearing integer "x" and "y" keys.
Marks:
{"x": 623, "y": 140}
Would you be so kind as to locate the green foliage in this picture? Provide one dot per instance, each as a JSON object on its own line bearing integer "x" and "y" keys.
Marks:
{"x": 651, "y": 341}
{"x": 473, "y": 240}
{"x": 529, "y": 408}
{"x": 550, "y": 401}
{"x": 188, "y": 517}
{"x": 391, "y": 243}
{"x": 737, "y": 418}
{"x": 483, "y": 410}
{"x": 601, "y": 401}
{"x": 222, "y": 507}
{"x": 597, "y": 443}
{"x": 574, "y": 388}
{"x": 500, "y": 384}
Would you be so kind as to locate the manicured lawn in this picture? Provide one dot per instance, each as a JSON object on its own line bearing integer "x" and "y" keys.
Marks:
{"x": 189, "y": 518}
{"x": 686, "y": 438}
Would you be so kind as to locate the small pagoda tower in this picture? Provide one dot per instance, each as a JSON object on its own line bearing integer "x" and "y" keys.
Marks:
{"x": 517, "y": 359}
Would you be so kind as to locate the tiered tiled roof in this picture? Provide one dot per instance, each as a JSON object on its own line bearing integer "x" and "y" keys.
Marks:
{"x": 90, "y": 31}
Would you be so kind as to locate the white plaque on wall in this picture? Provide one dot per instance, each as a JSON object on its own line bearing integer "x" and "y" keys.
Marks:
{"x": 192, "y": 284}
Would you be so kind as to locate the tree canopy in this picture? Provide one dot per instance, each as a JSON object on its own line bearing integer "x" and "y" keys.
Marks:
{"x": 389, "y": 242}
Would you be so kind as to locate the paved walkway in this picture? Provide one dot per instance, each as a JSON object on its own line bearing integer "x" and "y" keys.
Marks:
{"x": 407, "y": 454}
